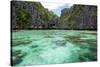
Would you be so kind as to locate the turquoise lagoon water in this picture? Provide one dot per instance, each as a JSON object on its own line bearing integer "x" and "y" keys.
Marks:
{"x": 34, "y": 47}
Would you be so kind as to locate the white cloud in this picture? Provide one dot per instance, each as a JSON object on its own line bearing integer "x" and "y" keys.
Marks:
{"x": 51, "y": 6}
{"x": 54, "y": 5}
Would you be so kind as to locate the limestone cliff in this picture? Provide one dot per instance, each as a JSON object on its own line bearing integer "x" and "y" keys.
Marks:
{"x": 79, "y": 17}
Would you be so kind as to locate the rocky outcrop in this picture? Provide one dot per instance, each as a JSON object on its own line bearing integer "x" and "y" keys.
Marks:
{"x": 38, "y": 14}
{"x": 79, "y": 17}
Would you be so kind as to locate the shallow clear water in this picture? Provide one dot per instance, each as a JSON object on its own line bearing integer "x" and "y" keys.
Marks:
{"x": 35, "y": 47}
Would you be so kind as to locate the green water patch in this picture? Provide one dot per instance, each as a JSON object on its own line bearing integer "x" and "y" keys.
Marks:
{"x": 89, "y": 56}
{"x": 59, "y": 41}
{"x": 48, "y": 36}
{"x": 91, "y": 33}
{"x": 72, "y": 38}
{"x": 21, "y": 42}
{"x": 82, "y": 39}
{"x": 17, "y": 56}
{"x": 44, "y": 47}
{"x": 34, "y": 46}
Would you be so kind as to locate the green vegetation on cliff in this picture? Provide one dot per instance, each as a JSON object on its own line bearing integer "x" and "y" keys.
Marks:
{"x": 30, "y": 15}
{"x": 33, "y": 15}
{"x": 80, "y": 17}
{"x": 22, "y": 18}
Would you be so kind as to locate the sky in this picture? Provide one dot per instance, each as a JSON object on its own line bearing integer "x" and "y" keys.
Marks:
{"x": 56, "y": 7}
{"x": 53, "y": 5}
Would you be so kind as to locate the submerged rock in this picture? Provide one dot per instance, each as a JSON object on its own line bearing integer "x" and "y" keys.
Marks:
{"x": 48, "y": 37}
{"x": 16, "y": 60}
{"x": 20, "y": 42}
{"x": 59, "y": 42}
{"x": 73, "y": 38}
{"x": 82, "y": 58}
{"x": 17, "y": 57}
{"x": 17, "y": 52}
{"x": 34, "y": 46}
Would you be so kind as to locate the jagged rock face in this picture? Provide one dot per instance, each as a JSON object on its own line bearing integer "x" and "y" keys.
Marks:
{"x": 76, "y": 17}
{"x": 80, "y": 16}
{"x": 13, "y": 16}
{"x": 34, "y": 19}
{"x": 88, "y": 17}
